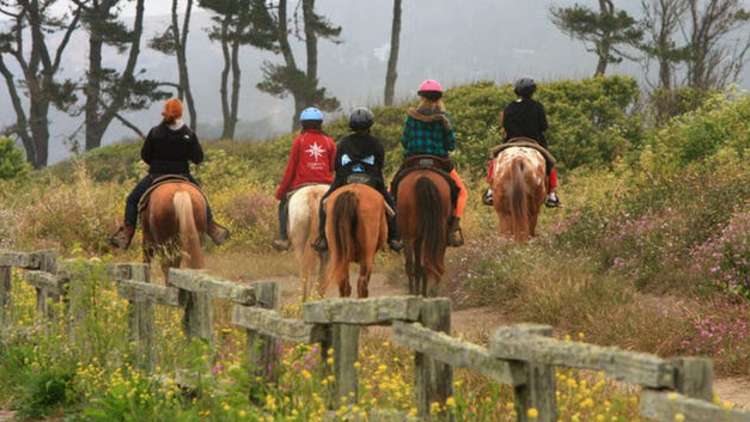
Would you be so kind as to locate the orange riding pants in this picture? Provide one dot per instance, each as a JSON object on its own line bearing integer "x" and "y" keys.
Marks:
{"x": 462, "y": 195}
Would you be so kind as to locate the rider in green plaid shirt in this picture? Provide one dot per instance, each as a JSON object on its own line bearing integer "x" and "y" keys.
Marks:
{"x": 427, "y": 138}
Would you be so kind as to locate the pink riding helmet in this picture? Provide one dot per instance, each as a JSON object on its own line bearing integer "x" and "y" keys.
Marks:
{"x": 430, "y": 85}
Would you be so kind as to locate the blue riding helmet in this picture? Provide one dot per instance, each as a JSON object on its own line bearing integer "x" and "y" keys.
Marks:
{"x": 311, "y": 113}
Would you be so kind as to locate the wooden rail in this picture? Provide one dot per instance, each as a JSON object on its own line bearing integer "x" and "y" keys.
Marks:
{"x": 523, "y": 356}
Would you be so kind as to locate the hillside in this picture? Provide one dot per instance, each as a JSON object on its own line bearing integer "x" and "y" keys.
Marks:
{"x": 649, "y": 253}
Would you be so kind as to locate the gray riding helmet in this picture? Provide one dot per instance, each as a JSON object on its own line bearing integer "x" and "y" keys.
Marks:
{"x": 362, "y": 118}
{"x": 524, "y": 86}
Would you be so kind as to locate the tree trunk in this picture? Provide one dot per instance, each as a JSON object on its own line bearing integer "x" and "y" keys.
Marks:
{"x": 391, "y": 73}
{"x": 39, "y": 126}
{"x": 93, "y": 92}
{"x": 311, "y": 44}
{"x": 236, "y": 80}
{"x": 184, "y": 90}
{"x": 21, "y": 126}
{"x": 224, "y": 89}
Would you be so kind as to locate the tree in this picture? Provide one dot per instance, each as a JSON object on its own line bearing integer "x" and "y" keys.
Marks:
{"x": 391, "y": 73}
{"x": 237, "y": 23}
{"x": 12, "y": 163}
{"x": 281, "y": 80}
{"x": 109, "y": 92}
{"x": 607, "y": 31}
{"x": 713, "y": 62}
{"x": 25, "y": 41}
{"x": 174, "y": 42}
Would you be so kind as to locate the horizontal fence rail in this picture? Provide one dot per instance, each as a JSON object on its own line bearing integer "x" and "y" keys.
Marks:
{"x": 523, "y": 356}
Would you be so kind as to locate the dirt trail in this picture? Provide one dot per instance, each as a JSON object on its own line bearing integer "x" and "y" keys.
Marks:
{"x": 477, "y": 324}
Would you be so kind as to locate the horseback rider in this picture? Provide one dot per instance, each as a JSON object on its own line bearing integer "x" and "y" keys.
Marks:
{"x": 525, "y": 118}
{"x": 168, "y": 149}
{"x": 360, "y": 153}
{"x": 311, "y": 161}
{"x": 428, "y": 131}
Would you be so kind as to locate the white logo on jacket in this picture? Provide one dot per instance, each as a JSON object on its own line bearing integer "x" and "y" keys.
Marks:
{"x": 315, "y": 151}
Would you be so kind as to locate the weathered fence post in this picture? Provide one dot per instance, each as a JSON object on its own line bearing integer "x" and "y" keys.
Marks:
{"x": 261, "y": 349}
{"x": 694, "y": 377}
{"x": 5, "y": 295}
{"x": 539, "y": 391}
{"x": 47, "y": 263}
{"x": 345, "y": 343}
{"x": 197, "y": 322}
{"x": 434, "y": 380}
{"x": 141, "y": 319}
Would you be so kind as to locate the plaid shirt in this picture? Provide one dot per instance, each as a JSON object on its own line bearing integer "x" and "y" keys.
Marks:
{"x": 427, "y": 138}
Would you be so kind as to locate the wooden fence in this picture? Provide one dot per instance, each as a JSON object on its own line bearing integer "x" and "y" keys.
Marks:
{"x": 523, "y": 356}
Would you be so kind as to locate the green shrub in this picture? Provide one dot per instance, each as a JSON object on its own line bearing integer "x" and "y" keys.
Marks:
{"x": 12, "y": 163}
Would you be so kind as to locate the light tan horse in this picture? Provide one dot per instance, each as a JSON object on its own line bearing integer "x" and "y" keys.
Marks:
{"x": 519, "y": 186}
{"x": 303, "y": 230}
{"x": 173, "y": 224}
{"x": 424, "y": 207}
{"x": 356, "y": 229}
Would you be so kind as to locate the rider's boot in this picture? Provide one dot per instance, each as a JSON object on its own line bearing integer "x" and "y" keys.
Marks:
{"x": 455, "y": 235}
{"x": 552, "y": 200}
{"x": 394, "y": 239}
{"x": 321, "y": 243}
{"x": 487, "y": 197}
{"x": 218, "y": 233}
{"x": 122, "y": 237}
{"x": 282, "y": 243}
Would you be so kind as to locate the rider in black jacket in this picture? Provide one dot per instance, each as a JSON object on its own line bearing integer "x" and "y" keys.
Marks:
{"x": 169, "y": 148}
{"x": 360, "y": 153}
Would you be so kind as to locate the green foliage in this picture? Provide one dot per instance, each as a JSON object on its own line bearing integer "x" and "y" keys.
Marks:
{"x": 608, "y": 30}
{"x": 12, "y": 163}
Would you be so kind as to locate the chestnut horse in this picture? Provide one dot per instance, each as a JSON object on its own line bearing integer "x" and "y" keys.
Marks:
{"x": 424, "y": 207}
{"x": 173, "y": 224}
{"x": 303, "y": 230}
{"x": 356, "y": 229}
{"x": 519, "y": 186}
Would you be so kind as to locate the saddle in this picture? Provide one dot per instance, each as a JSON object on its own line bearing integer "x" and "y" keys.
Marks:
{"x": 163, "y": 180}
{"x": 522, "y": 142}
{"x": 364, "y": 179}
{"x": 439, "y": 165}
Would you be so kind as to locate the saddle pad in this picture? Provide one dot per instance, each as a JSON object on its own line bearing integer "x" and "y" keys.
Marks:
{"x": 163, "y": 180}
{"x": 526, "y": 143}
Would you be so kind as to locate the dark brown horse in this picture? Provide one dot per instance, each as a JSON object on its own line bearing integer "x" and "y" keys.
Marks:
{"x": 173, "y": 224}
{"x": 424, "y": 208}
{"x": 356, "y": 230}
{"x": 518, "y": 189}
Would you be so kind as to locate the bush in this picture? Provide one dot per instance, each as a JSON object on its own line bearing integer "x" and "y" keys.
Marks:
{"x": 12, "y": 163}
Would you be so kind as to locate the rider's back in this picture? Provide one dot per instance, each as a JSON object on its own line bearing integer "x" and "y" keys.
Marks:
{"x": 428, "y": 132}
{"x": 360, "y": 152}
{"x": 169, "y": 151}
{"x": 526, "y": 118}
{"x": 315, "y": 152}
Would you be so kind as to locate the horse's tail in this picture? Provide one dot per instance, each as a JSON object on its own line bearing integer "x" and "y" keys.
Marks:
{"x": 189, "y": 237}
{"x": 519, "y": 204}
{"x": 431, "y": 226}
{"x": 344, "y": 220}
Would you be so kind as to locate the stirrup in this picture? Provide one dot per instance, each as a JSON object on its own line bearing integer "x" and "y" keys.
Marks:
{"x": 552, "y": 202}
{"x": 456, "y": 238}
{"x": 281, "y": 244}
{"x": 396, "y": 245}
{"x": 320, "y": 244}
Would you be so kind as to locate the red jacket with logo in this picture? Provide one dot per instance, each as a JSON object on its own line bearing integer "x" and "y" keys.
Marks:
{"x": 311, "y": 160}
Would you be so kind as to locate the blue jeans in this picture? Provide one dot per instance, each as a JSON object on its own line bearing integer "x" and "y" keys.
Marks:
{"x": 131, "y": 204}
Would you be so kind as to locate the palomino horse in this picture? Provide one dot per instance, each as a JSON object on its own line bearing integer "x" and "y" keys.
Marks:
{"x": 303, "y": 230}
{"x": 173, "y": 223}
{"x": 424, "y": 207}
{"x": 356, "y": 229}
{"x": 518, "y": 189}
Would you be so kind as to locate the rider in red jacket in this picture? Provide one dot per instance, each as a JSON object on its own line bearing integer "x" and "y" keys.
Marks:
{"x": 311, "y": 160}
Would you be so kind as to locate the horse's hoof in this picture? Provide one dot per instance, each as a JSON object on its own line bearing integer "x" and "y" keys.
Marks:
{"x": 281, "y": 245}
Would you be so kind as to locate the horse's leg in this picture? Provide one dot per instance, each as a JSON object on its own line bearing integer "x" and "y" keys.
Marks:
{"x": 365, "y": 269}
{"x": 345, "y": 289}
{"x": 409, "y": 264}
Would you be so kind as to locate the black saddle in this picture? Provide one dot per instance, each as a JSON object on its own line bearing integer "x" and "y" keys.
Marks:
{"x": 440, "y": 165}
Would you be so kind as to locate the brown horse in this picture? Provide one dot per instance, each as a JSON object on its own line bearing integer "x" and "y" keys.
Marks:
{"x": 356, "y": 229}
{"x": 518, "y": 190}
{"x": 173, "y": 224}
{"x": 424, "y": 207}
